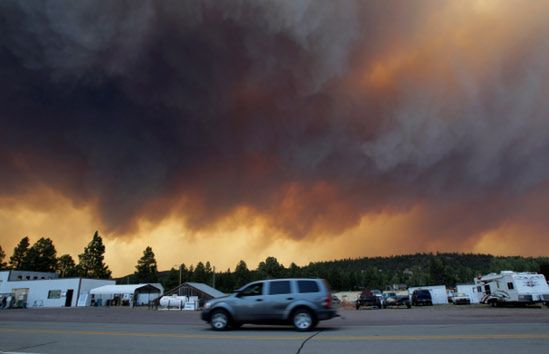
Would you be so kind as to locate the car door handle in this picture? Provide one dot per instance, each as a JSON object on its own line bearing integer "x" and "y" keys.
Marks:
{"x": 289, "y": 298}
{"x": 258, "y": 299}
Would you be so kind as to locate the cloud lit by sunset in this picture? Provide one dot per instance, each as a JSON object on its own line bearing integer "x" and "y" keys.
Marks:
{"x": 305, "y": 130}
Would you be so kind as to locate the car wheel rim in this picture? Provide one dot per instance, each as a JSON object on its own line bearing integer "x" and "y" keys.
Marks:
{"x": 303, "y": 320}
{"x": 219, "y": 320}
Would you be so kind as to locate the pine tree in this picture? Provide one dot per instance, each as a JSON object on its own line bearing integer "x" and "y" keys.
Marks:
{"x": 242, "y": 274}
{"x": 294, "y": 271}
{"x": 270, "y": 268}
{"x": 185, "y": 273}
{"x": 91, "y": 263}
{"x": 171, "y": 281}
{"x": 200, "y": 275}
{"x": 210, "y": 276}
{"x": 146, "y": 268}
{"x": 66, "y": 266}
{"x": 41, "y": 257}
{"x": 19, "y": 254}
{"x": 191, "y": 273}
{"x": 3, "y": 265}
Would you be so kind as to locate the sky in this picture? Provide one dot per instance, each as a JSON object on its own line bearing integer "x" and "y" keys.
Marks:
{"x": 306, "y": 130}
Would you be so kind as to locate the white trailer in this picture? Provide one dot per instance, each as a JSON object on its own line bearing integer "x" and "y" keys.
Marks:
{"x": 438, "y": 293}
{"x": 474, "y": 292}
{"x": 512, "y": 288}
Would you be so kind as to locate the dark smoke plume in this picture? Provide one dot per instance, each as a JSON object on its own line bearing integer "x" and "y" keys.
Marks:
{"x": 313, "y": 113}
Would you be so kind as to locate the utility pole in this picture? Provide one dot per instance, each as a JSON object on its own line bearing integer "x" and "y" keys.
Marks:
{"x": 213, "y": 282}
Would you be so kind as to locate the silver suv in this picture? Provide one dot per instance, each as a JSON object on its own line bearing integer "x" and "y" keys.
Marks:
{"x": 301, "y": 302}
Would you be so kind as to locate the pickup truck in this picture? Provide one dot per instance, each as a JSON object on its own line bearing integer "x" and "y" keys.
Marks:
{"x": 370, "y": 298}
{"x": 395, "y": 300}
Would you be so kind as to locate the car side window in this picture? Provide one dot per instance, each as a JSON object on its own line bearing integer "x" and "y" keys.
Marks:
{"x": 307, "y": 286}
{"x": 279, "y": 287}
{"x": 252, "y": 290}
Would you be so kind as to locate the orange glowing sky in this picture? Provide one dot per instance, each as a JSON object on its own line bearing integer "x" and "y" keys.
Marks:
{"x": 304, "y": 130}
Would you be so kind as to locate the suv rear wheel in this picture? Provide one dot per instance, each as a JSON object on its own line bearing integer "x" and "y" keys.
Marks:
{"x": 303, "y": 320}
{"x": 220, "y": 320}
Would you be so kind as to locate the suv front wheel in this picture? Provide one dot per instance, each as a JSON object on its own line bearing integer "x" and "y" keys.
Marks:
{"x": 303, "y": 320}
{"x": 220, "y": 320}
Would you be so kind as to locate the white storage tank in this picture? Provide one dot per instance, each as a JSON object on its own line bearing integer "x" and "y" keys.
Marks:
{"x": 173, "y": 301}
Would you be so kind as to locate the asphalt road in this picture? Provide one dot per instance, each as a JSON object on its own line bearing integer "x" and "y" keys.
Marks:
{"x": 444, "y": 329}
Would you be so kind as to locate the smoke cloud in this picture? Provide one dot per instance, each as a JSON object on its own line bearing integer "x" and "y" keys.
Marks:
{"x": 309, "y": 114}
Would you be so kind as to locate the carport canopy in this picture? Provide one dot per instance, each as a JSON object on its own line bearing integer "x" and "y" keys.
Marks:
{"x": 125, "y": 289}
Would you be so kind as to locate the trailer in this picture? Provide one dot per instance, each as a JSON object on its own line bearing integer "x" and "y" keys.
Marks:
{"x": 438, "y": 293}
{"x": 474, "y": 292}
{"x": 513, "y": 288}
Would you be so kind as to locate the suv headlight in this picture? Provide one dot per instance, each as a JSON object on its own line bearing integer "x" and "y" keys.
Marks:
{"x": 207, "y": 305}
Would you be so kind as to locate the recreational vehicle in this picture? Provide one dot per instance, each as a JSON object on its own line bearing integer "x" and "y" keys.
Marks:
{"x": 512, "y": 288}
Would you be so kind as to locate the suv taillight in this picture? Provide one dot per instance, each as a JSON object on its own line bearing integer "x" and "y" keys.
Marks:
{"x": 328, "y": 302}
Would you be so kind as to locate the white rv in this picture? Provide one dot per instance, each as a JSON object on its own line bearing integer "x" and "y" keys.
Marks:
{"x": 513, "y": 288}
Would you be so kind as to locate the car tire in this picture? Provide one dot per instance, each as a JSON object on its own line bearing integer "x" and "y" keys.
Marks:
{"x": 220, "y": 320}
{"x": 303, "y": 320}
{"x": 408, "y": 305}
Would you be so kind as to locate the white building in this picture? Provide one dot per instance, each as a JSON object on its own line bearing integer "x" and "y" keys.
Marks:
{"x": 39, "y": 289}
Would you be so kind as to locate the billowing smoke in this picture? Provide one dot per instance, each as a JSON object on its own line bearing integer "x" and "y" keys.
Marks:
{"x": 309, "y": 113}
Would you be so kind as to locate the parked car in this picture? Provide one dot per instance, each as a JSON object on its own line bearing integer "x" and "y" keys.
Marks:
{"x": 461, "y": 299}
{"x": 422, "y": 297}
{"x": 300, "y": 302}
{"x": 369, "y": 298}
{"x": 395, "y": 300}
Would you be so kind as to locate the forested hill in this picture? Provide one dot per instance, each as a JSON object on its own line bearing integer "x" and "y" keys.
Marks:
{"x": 355, "y": 274}
{"x": 420, "y": 269}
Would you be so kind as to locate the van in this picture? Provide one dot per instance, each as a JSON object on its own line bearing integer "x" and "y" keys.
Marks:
{"x": 422, "y": 297}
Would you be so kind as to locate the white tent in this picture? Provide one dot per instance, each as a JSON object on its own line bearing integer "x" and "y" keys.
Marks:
{"x": 130, "y": 294}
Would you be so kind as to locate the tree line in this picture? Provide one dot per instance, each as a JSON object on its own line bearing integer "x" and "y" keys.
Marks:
{"x": 42, "y": 257}
{"x": 356, "y": 274}
{"x": 347, "y": 274}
